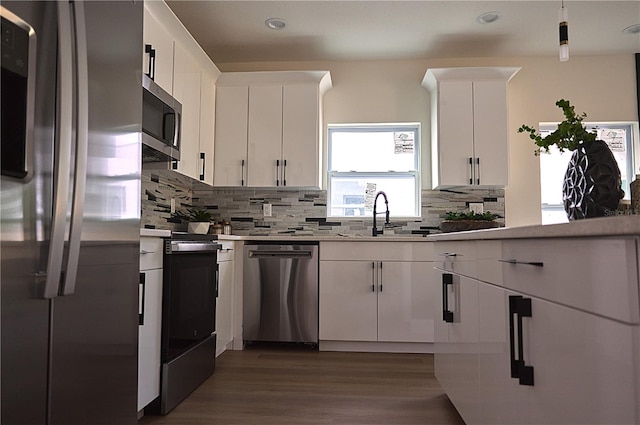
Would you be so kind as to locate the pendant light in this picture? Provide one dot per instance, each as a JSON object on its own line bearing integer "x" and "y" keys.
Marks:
{"x": 563, "y": 19}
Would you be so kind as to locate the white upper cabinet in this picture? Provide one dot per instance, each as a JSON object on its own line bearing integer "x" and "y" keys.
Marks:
{"x": 265, "y": 136}
{"x": 186, "y": 90}
{"x": 269, "y": 128}
{"x": 301, "y": 134}
{"x": 469, "y": 126}
{"x": 232, "y": 112}
{"x": 158, "y": 56}
{"x": 183, "y": 69}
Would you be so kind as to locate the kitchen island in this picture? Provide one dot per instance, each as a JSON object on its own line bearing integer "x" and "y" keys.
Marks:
{"x": 541, "y": 324}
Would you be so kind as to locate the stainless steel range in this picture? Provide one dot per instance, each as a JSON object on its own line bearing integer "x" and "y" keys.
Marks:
{"x": 190, "y": 288}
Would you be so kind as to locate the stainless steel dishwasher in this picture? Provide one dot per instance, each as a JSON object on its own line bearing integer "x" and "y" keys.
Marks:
{"x": 280, "y": 293}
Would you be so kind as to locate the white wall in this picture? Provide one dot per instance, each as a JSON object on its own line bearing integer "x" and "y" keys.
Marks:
{"x": 363, "y": 92}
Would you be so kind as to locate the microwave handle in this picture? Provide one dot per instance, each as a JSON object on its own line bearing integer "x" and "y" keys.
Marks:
{"x": 176, "y": 130}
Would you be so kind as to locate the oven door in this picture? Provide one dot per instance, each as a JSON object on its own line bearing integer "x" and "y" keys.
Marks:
{"x": 189, "y": 300}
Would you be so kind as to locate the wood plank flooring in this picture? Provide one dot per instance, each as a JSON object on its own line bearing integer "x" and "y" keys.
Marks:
{"x": 275, "y": 385}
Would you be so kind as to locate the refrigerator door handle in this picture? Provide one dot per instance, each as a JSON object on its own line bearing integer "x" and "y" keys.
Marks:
{"x": 82, "y": 146}
{"x": 62, "y": 152}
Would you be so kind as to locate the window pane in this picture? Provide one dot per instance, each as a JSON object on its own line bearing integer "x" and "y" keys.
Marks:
{"x": 348, "y": 195}
{"x": 372, "y": 150}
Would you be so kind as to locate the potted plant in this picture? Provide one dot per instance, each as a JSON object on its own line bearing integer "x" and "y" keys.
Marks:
{"x": 461, "y": 221}
{"x": 198, "y": 220}
{"x": 592, "y": 185}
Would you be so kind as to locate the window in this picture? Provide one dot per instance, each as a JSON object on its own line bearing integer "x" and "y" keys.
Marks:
{"x": 619, "y": 137}
{"x": 364, "y": 159}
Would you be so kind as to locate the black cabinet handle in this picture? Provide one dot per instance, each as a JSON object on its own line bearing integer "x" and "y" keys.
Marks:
{"x": 203, "y": 163}
{"x": 141, "y": 292}
{"x": 284, "y": 172}
{"x": 478, "y": 170}
{"x": 242, "y": 174}
{"x": 148, "y": 48}
{"x": 447, "y": 315}
{"x": 470, "y": 170}
{"x": 380, "y": 276}
{"x": 277, "y": 172}
{"x": 519, "y": 307}
{"x": 526, "y": 263}
{"x": 217, "y": 280}
{"x": 373, "y": 276}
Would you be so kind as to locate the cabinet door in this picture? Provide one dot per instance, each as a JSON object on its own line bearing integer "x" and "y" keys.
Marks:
{"x": 502, "y": 399}
{"x": 224, "y": 302}
{"x": 490, "y": 133}
{"x": 455, "y": 132}
{"x": 300, "y": 135}
{"x": 462, "y": 348}
{"x": 232, "y": 108}
{"x": 207, "y": 126}
{"x": 186, "y": 89}
{"x": 405, "y": 295}
{"x": 162, "y": 41}
{"x": 583, "y": 366}
{"x": 265, "y": 135}
{"x": 149, "y": 339}
{"x": 348, "y": 301}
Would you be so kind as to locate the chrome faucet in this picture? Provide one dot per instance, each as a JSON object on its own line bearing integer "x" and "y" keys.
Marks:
{"x": 375, "y": 231}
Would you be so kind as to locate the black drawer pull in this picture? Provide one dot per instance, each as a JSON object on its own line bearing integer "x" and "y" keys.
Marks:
{"x": 526, "y": 263}
{"x": 447, "y": 315}
{"x": 519, "y": 307}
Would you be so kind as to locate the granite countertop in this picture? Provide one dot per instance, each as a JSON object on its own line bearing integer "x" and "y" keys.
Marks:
{"x": 627, "y": 225}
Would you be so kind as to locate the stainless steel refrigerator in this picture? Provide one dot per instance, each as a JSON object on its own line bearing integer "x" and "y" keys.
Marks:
{"x": 70, "y": 211}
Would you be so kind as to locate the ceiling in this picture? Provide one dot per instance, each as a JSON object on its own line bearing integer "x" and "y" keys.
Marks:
{"x": 338, "y": 30}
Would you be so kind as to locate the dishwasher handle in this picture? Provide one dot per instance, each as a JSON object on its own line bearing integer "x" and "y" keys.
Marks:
{"x": 279, "y": 254}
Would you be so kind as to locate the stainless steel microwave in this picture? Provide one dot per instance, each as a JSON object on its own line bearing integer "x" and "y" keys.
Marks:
{"x": 161, "y": 123}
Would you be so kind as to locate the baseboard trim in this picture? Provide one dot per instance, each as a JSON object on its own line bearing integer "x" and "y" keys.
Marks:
{"x": 376, "y": 347}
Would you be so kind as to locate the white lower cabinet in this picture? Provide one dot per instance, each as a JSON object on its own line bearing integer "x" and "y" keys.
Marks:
{"x": 150, "y": 320}
{"x": 377, "y": 300}
{"x": 224, "y": 302}
{"x": 510, "y": 357}
{"x": 456, "y": 351}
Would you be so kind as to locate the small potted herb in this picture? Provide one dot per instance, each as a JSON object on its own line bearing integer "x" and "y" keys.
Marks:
{"x": 461, "y": 221}
{"x": 198, "y": 220}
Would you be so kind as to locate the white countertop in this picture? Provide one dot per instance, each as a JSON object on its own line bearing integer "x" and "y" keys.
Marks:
{"x": 326, "y": 238}
{"x": 155, "y": 233}
{"x": 628, "y": 225}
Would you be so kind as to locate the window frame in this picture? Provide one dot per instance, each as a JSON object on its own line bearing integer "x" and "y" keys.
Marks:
{"x": 377, "y": 127}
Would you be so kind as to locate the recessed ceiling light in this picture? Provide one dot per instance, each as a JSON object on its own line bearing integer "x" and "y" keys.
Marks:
{"x": 632, "y": 29}
{"x": 275, "y": 23}
{"x": 488, "y": 17}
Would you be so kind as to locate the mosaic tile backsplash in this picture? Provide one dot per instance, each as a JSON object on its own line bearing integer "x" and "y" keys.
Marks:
{"x": 294, "y": 212}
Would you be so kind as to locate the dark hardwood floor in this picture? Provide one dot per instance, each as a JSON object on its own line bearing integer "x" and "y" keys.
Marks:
{"x": 275, "y": 385}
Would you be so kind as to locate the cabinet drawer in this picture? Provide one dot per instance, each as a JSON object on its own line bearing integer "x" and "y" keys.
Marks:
{"x": 151, "y": 253}
{"x": 376, "y": 251}
{"x": 596, "y": 275}
{"x": 226, "y": 252}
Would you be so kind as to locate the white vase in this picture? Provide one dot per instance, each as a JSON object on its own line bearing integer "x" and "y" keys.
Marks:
{"x": 199, "y": 227}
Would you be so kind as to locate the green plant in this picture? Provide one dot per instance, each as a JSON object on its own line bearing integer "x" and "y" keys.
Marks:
{"x": 457, "y": 216}
{"x": 569, "y": 134}
{"x": 194, "y": 215}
